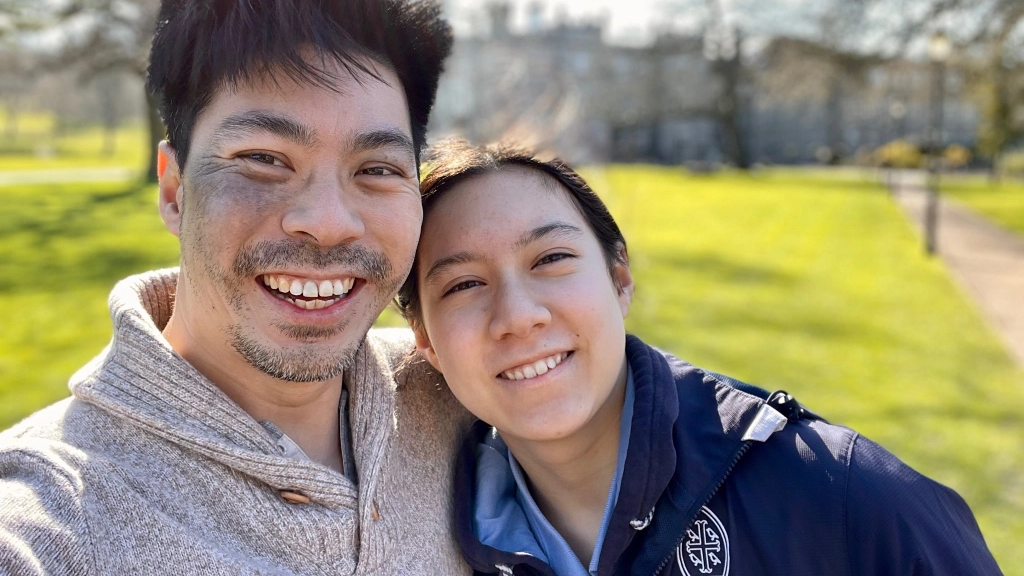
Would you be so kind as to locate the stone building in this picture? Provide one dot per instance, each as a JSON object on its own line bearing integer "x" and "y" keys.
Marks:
{"x": 564, "y": 87}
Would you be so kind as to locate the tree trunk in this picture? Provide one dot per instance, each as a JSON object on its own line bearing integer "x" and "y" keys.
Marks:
{"x": 157, "y": 132}
{"x": 11, "y": 130}
{"x": 730, "y": 104}
{"x": 109, "y": 139}
{"x": 729, "y": 109}
{"x": 835, "y": 118}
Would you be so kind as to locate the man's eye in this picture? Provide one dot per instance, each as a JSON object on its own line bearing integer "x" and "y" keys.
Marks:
{"x": 462, "y": 286}
{"x": 378, "y": 171}
{"x": 263, "y": 158}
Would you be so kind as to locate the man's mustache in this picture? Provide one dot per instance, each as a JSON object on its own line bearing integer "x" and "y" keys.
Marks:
{"x": 266, "y": 255}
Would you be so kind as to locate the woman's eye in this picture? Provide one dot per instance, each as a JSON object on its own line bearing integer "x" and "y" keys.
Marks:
{"x": 462, "y": 286}
{"x": 548, "y": 259}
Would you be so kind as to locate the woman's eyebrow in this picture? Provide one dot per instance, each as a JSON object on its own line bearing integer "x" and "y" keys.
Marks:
{"x": 465, "y": 257}
{"x": 554, "y": 228}
{"x": 447, "y": 262}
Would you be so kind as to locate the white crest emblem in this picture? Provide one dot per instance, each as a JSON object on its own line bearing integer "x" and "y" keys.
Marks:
{"x": 705, "y": 550}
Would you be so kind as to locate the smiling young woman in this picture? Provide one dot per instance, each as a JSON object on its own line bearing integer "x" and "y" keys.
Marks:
{"x": 597, "y": 454}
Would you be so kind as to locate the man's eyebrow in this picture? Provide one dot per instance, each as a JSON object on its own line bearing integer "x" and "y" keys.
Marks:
{"x": 554, "y": 228}
{"x": 255, "y": 121}
{"x": 447, "y": 262}
{"x": 385, "y": 138}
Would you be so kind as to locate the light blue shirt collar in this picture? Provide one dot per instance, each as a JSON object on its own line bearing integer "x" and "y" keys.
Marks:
{"x": 507, "y": 517}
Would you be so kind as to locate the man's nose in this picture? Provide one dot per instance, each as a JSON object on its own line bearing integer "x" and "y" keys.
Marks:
{"x": 517, "y": 312}
{"x": 326, "y": 212}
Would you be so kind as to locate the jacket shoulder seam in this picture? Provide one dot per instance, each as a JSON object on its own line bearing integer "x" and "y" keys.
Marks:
{"x": 846, "y": 502}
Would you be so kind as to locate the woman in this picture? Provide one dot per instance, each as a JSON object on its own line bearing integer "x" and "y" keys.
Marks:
{"x": 597, "y": 454}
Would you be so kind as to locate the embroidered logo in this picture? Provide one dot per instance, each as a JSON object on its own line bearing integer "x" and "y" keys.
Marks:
{"x": 705, "y": 551}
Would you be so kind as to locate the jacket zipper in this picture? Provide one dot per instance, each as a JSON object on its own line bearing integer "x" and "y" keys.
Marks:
{"x": 710, "y": 495}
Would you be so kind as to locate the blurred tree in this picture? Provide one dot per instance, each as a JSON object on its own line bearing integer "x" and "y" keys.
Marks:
{"x": 989, "y": 40}
{"x": 94, "y": 37}
{"x": 799, "y": 70}
{"x": 723, "y": 46}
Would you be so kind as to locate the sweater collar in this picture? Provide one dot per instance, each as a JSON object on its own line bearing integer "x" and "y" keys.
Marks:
{"x": 140, "y": 379}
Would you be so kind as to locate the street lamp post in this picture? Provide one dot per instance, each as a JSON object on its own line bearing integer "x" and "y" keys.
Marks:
{"x": 939, "y": 49}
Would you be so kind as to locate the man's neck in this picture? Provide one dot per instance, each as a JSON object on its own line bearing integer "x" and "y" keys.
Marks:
{"x": 570, "y": 478}
{"x": 305, "y": 411}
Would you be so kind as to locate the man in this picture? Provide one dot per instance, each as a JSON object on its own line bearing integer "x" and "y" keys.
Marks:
{"x": 239, "y": 422}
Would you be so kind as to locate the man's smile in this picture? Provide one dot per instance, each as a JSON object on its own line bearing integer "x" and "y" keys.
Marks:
{"x": 308, "y": 293}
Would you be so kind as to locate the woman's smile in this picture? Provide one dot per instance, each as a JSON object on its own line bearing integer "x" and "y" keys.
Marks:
{"x": 521, "y": 311}
{"x": 534, "y": 369}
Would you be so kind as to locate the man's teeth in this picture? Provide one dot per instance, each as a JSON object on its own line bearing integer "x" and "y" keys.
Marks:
{"x": 325, "y": 292}
{"x": 534, "y": 369}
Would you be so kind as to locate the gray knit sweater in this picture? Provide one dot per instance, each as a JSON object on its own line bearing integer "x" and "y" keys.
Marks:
{"x": 151, "y": 469}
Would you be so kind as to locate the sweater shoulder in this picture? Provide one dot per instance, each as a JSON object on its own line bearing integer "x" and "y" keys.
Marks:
{"x": 61, "y": 421}
{"x": 396, "y": 344}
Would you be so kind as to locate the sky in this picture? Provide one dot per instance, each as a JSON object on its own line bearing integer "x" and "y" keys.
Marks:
{"x": 629, "y": 21}
{"x": 634, "y": 21}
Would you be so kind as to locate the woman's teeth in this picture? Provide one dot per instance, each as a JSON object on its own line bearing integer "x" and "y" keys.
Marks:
{"x": 534, "y": 369}
{"x": 324, "y": 292}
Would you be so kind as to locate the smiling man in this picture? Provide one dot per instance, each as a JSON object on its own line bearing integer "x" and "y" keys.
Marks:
{"x": 242, "y": 421}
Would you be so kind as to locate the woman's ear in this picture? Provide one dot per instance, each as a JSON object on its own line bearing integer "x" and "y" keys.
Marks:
{"x": 171, "y": 190}
{"x": 622, "y": 278}
{"x": 423, "y": 345}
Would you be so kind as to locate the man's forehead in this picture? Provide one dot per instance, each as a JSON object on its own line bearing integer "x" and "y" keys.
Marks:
{"x": 307, "y": 112}
{"x": 325, "y": 73}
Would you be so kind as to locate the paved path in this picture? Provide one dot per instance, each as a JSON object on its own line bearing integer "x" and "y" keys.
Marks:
{"x": 66, "y": 175}
{"x": 987, "y": 260}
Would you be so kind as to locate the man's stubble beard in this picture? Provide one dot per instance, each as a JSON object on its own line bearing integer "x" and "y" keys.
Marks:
{"x": 311, "y": 362}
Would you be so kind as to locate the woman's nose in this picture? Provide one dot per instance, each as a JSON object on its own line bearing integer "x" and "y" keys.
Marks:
{"x": 517, "y": 312}
{"x": 325, "y": 213}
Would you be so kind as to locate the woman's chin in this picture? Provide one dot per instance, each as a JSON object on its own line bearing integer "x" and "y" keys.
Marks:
{"x": 544, "y": 427}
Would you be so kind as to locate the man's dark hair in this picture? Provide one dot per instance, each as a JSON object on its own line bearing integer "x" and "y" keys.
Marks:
{"x": 453, "y": 161}
{"x": 204, "y": 45}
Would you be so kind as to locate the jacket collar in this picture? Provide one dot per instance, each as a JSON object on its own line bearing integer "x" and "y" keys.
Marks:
{"x": 686, "y": 432}
{"x": 140, "y": 379}
{"x": 705, "y": 440}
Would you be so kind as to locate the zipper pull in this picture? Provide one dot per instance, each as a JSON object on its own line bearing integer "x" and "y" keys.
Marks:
{"x": 767, "y": 422}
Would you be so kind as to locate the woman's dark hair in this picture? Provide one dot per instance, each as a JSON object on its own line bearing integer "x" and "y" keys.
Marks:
{"x": 454, "y": 161}
{"x": 202, "y": 46}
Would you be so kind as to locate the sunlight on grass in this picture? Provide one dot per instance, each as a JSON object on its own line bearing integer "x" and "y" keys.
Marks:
{"x": 1001, "y": 202}
{"x": 820, "y": 288}
{"x": 38, "y": 146}
{"x": 811, "y": 282}
{"x": 65, "y": 247}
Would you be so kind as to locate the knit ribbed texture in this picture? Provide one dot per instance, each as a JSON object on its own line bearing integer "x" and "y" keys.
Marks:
{"x": 150, "y": 469}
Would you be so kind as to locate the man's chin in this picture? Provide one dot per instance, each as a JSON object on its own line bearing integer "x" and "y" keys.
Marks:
{"x": 311, "y": 361}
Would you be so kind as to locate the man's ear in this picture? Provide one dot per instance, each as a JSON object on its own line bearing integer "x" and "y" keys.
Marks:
{"x": 171, "y": 191}
{"x": 423, "y": 345}
{"x": 622, "y": 278}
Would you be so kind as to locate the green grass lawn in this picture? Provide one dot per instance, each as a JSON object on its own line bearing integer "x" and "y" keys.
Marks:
{"x": 819, "y": 287}
{"x": 64, "y": 247}
{"x": 38, "y": 147}
{"x": 1002, "y": 202}
{"x": 791, "y": 280}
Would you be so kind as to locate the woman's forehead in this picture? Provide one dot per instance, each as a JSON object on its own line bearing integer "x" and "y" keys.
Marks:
{"x": 494, "y": 211}
{"x": 513, "y": 195}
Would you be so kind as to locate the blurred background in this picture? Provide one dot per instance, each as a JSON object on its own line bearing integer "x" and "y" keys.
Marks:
{"x": 819, "y": 195}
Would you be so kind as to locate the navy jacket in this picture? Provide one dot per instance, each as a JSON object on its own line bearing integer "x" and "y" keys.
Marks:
{"x": 813, "y": 499}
